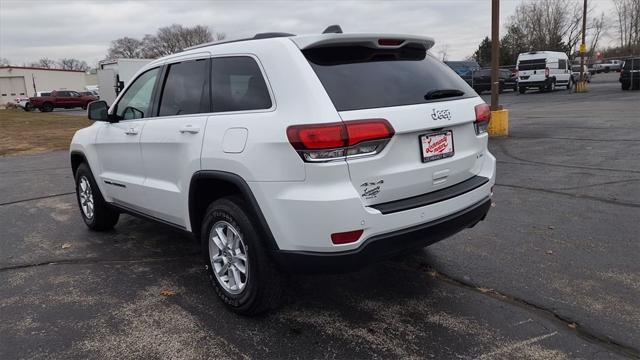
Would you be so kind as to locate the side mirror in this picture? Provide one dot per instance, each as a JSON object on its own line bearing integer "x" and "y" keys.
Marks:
{"x": 98, "y": 111}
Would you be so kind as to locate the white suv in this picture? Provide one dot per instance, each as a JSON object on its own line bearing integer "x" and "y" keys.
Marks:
{"x": 291, "y": 153}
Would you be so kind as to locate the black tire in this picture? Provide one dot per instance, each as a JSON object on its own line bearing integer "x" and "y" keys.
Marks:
{"x": 47, "y": 107}
{"x": 522, "y": 89}
{"x": 104, "y": 216}
{"x": 28, "y": 107}
{"x": 263, "y": 282}
{"x": 626, "y": 86}
{"x": 570, "y": 84}
{"x": 84, "y": 107}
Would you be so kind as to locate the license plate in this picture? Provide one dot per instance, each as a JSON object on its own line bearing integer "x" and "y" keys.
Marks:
{"x": 436, "y": 146}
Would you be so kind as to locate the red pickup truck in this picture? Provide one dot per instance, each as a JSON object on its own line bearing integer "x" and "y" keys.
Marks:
{"x": 61, "y": 99}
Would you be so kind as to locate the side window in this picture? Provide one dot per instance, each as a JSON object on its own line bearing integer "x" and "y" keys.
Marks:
{"x": 186, "y": 89}
{"x": 562, "y": 64}
{"x": 136, "y": 101}
{"x": 238, "y": 85}
{"x": 63, "y": 94}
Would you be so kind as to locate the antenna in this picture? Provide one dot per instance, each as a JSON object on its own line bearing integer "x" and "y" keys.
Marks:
{"x": 333, "y": 29}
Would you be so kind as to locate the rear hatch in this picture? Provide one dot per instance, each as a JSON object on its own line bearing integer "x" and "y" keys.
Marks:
{"x": 532, "y": 69}
{"x": 425, "y": 102}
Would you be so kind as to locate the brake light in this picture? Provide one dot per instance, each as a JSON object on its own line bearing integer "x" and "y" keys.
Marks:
{"x": 390, "y": 42}
{"x": 483, "y": 116}
{"x": 346, "y": 237}
{"x": 334, "y": 141}
{"x": 546, "y": 72}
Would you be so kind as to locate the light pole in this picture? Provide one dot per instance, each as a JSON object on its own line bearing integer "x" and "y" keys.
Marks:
{"x": 495, "y": 53}
{"x": 582, "y": 85}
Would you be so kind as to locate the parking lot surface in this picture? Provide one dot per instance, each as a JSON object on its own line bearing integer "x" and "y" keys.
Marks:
{"x": 552, "y": 273}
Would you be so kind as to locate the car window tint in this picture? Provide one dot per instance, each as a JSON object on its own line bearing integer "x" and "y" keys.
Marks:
{"x": 358, "y": 77}
{"x": 532, "y": 64}
{"x": 238, "y": 85}
{"x": 186, "y": 89}
{"x": 136, "y": 101}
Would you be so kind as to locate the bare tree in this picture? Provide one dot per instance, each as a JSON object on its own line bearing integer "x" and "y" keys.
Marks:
{"x": 596, "y": 27}
{"x": 175, "y": 38}
{"x": 444, "y": 52}
{"x": 126, "y": 47}
{"x": 628, "y": 23}
{"x": 45, "y": 63}
{"x": 73, "y": 64}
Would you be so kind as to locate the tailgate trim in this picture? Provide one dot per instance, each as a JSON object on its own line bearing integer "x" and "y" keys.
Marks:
{"x": 432, "y": 197}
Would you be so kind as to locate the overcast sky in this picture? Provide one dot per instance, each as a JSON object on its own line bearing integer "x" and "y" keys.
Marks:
{"x": 30, "y": 30}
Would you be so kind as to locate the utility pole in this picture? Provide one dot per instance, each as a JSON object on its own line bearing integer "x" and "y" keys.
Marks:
{"x": 495, "y": 53}
{"x": 583, "y": 50}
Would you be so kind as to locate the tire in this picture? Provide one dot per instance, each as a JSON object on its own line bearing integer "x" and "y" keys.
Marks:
{"x": 570, "y": 84}
{"x": 262, "y": 287}
{"x": 551, "y": 86}
{"x": 626, "y": 86}
{"x": 28, "y": 107}
{"x": 103, "y": 216}
{"x": 84, "y": 107}
{"x": 522, "y": 89}
{"x": 47, "y": 107}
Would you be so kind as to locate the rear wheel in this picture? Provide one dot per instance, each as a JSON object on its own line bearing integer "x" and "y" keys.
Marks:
{"x": 626, "y": 86}
{"x": 240, "y": 270}
{"x": 28, "y": 107}
{"x": 47, "y": 107}
{"x": 97, "y": 214}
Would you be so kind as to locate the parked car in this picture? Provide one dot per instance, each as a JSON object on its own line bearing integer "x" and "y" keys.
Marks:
{"x": 23, "y": 102}
{"x": 611, "y": 65}
{"x": 575, "y": 73}
{"x": 464, "y": 69}
{"x": 482, "y": 80}
{"x": 630, "y": 74}
{"x": 290, "y": 153}
{"x": 61, "y": 99}
{"x": 543, "y": 70}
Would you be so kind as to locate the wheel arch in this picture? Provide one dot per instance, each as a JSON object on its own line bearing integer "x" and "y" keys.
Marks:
{"x": 77, "y": 158}
{"x": 208, "y": 185}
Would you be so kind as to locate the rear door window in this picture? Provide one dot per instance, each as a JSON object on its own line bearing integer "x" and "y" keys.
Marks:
{"x": 632, "y": 64}
{"x": 238, "y": 85}
{"x": 532, "y": 64}
{"x": 186, "y": 88}
{"x": 357, "y": 77}
{"x": 562, "y": 64}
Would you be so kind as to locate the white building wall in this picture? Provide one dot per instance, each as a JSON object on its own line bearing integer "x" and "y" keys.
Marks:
{"x": 45, "y": 79}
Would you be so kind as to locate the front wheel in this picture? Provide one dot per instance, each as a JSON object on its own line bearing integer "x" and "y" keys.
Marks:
{"x": 47, "y": 107}
{"x": 626, "y": 86}
{"x": 522, "y": 89}
{"x": 569, "y": 84}
{"x": 240, "y": 270}
{"x": 97, "y": 214}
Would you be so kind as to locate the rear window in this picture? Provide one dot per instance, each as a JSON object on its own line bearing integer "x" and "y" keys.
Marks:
{"x": 357, "y": 77}
{"x": 632, "y": 64}
{"x": 533, "y": 64}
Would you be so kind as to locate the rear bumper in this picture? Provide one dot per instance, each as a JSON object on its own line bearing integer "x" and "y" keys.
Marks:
{"x": 383, "y": 246}
{"x": 528, "y": 84}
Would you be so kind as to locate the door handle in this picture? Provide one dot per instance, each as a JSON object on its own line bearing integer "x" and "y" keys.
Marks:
{"x": 132, "y": 131}
{"x": 189, "y": 129}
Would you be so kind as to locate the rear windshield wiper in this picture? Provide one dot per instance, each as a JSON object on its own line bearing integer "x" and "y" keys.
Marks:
{"x": 443, "y": 93}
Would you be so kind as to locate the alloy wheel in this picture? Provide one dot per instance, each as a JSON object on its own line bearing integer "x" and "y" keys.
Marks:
{"x": 228, "y": 256}
{"x": 86, "y": 197}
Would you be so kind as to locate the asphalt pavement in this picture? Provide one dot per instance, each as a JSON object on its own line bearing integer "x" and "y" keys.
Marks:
{"x": 552, "y": 273}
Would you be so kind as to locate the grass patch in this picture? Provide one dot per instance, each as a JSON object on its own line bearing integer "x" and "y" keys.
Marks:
{"x": 23, "y": 133}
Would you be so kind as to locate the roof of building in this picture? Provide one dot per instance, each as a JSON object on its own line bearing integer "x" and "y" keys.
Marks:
{"x": 37, "y": 68}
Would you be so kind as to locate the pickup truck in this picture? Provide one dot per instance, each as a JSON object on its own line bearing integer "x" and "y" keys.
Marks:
{"x": 61, "y": 99}
{"x": 482, "y": 80}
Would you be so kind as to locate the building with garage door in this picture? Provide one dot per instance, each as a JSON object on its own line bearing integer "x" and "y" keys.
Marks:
{"x": 16, "y": 81}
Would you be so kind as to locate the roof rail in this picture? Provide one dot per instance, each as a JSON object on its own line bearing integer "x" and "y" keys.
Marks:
{"x": 268, "y": 35}
{"x": 333, "y": 29}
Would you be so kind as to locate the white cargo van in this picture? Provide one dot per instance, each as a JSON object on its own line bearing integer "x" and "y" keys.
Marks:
{"x": 543, "y": 70}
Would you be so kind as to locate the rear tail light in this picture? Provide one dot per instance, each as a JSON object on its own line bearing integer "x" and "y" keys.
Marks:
{"x": 546, "y": 72}
{"x": 346, "y": 237}
{"x": 483, "y": 116}
{"x": 336, "y": 141}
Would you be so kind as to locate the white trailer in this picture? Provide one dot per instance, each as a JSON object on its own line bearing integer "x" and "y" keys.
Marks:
{"x": 114, "y": 75}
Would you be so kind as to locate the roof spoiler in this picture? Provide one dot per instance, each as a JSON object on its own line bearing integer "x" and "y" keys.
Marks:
{"x": 381, "y": 41}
